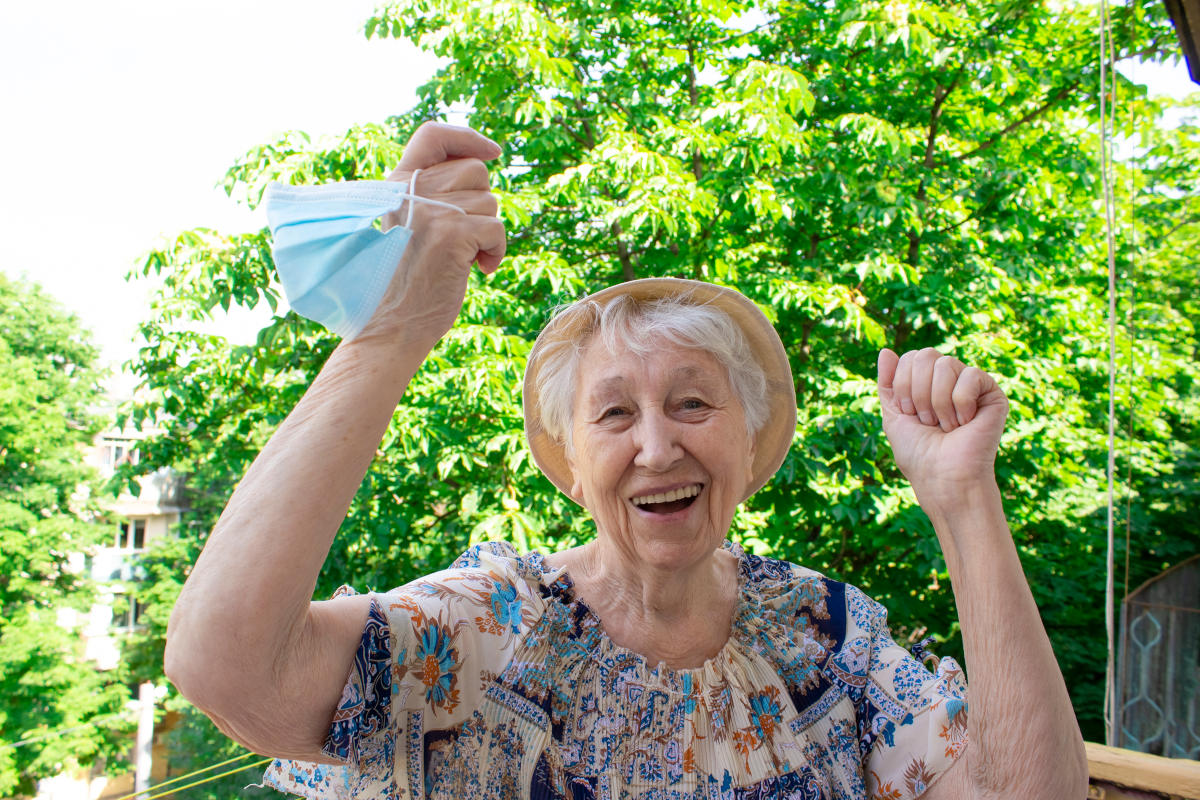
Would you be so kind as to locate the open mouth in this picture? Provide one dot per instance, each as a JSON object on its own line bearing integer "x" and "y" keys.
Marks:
{"x": 669, "y": 502}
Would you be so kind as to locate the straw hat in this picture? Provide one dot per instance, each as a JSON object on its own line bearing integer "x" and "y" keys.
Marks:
{"x": 773, "y": 440}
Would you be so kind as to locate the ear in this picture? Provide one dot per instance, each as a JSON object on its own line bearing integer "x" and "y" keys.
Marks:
{"x": 750, "y": 459}
{"x": 576, "y": 492}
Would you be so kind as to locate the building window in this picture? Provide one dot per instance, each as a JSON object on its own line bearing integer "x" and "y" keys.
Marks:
{"x": 127, "y": 616}
{"x": 133, "y": 618}
{"x": 118, "y": 452}
{"x": 131, "y": 534}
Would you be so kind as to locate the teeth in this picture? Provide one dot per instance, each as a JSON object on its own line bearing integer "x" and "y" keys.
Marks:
{"x": 667, "y": 497}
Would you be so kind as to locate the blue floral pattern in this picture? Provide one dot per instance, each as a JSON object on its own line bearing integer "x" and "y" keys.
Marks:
{"x": 492, "y": 680}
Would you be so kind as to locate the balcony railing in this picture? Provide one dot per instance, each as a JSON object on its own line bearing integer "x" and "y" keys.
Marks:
{"x": 1119, "y": 774}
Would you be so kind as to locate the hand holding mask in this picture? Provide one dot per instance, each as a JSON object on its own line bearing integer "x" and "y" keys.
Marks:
{"x": 438, "y": 214}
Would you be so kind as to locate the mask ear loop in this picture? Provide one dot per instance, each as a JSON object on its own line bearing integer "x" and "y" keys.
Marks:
{"x": 412, "y": 202}
{"x": 413, "y": 199}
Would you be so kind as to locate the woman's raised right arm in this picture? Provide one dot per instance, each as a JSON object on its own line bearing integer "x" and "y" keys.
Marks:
{"x": 246, "y": 644}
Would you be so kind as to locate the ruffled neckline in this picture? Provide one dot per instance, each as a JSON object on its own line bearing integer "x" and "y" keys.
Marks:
{"x": 727, "y": 668}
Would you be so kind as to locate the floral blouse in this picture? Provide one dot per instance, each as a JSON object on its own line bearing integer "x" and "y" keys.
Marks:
{"x": 491, "y": 681}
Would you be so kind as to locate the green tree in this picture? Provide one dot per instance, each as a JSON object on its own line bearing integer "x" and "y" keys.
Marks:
{"x": 873, "y": 173}
{"x": 56, "y": 709}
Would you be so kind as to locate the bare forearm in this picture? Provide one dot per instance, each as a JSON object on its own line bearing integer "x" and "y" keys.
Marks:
{"x": 1024, "y": 740}
{"x": 249, "y": 591}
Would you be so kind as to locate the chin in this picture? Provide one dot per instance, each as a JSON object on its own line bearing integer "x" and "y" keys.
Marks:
{"x": 670, "y": 553}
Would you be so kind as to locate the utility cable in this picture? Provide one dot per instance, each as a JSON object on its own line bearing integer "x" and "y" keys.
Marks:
{"x": 1108, "y": 86}
{"x": 62, "y": 731}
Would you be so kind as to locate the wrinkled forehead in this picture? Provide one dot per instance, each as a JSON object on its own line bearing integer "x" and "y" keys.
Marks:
{"x": 657, "y": 363}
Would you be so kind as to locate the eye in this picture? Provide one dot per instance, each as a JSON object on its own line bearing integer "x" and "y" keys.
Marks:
{"x": 615, "y": 411}
{"x": 692, "y": 404}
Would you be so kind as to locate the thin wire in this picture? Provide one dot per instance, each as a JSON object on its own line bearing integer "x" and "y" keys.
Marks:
{"x": 62, "y": 731}
{"x": 193, "y": 773}
{"x": 144, "y": 794}
{"x": 1107, "y": 106}
{"x": 1132, "y": 272}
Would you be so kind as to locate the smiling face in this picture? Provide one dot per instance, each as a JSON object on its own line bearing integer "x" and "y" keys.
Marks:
{"x": 661, "y": 455}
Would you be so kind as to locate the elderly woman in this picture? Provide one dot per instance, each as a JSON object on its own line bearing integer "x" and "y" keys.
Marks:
{"x": 658, "y": 660}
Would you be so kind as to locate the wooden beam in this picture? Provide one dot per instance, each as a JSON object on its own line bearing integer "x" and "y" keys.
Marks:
{"x": 1186, "y": 16}
{"x": 1178, "y": 777}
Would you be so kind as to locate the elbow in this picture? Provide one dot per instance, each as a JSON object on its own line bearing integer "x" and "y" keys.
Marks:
{"x": 180, "y": 661}
{"x": 198, "y": 664}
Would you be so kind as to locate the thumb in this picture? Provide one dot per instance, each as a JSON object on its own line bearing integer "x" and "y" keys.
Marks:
{"x": 435, "y": 142}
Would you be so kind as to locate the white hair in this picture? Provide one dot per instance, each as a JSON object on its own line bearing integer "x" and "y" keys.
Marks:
{"x": 642, "y": 326}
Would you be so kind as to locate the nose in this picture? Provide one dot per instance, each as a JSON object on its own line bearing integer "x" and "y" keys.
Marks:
{"x": 657, "y": 439}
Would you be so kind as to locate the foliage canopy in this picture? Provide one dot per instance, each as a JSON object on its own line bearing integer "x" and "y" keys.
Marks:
{"x": 907, "y": 174}
{"x": 51, "y": 698}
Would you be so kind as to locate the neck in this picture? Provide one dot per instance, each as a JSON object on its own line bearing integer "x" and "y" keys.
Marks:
{"x": 677, "y": 616}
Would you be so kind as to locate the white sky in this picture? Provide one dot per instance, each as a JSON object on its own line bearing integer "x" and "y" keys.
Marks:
{"x": 117, "y": 119}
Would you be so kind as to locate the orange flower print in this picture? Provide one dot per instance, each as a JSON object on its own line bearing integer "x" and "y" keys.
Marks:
{"x": 744, "y": 741}
{"x": 955, "y": 734}
{"x": 689, "y": 760}
{"x": 884, "y": 791}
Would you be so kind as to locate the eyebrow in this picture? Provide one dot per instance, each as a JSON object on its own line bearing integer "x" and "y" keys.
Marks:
{"x": 616, "y": 382}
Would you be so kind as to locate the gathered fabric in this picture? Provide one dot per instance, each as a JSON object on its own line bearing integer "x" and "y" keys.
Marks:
{"x": 491, "y": 680}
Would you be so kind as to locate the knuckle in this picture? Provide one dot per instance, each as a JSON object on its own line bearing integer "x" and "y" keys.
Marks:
{"x": 476, "y": 171}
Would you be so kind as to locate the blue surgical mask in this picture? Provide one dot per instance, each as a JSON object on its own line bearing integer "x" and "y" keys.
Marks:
{"x": 334, "y": 264}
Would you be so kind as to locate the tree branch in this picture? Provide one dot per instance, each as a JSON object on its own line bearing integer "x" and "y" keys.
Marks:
{"x": 1181, "y": 224}
{"x": 623, "y": 253}
{"x": 694, "y": 101}
{"x": 940, "y": 94}
{"x": 1050, "y": 102}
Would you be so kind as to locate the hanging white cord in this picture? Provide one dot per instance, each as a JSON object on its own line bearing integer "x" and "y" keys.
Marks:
{"x": 1107, "y": 107}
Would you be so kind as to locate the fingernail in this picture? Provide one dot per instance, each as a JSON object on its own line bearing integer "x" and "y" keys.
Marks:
{"x": 926, "y": 418}
{"x": 906, "y": 406}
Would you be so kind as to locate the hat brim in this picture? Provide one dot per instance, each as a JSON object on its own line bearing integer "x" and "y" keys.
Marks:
{"x": 772, "y": 441}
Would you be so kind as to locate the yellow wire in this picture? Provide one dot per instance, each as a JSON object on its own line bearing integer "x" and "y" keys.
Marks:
{"x": 174, "y": 789}
{"x": 187, "y": 775}
{"x": 145, "y": 793}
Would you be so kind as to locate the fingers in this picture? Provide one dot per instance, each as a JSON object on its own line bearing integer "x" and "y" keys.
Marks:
{"x": 921, "y": 384}
{"x": 946, "y": 371}
{"x": 491, "y": 241}
{"x": 459, "y": 175}
{"x": 902, "y": 384}
{"x": 451, "y": 160}
{"x": 937, "y": 389}
{"x": 885, "y": 367}
{"x": 464, "y": 183}
{"x": 437, "y": 142}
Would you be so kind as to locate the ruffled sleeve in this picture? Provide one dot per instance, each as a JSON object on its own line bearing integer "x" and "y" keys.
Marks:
{"x": 912, "y": 722}
{"x": 427, "y": 653}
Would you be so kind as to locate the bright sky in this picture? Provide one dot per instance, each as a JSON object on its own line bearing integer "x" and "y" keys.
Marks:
{"x": 119, "y": 118}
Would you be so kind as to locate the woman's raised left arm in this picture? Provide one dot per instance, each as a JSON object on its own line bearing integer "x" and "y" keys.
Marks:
{"x": 944, "y": 421}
